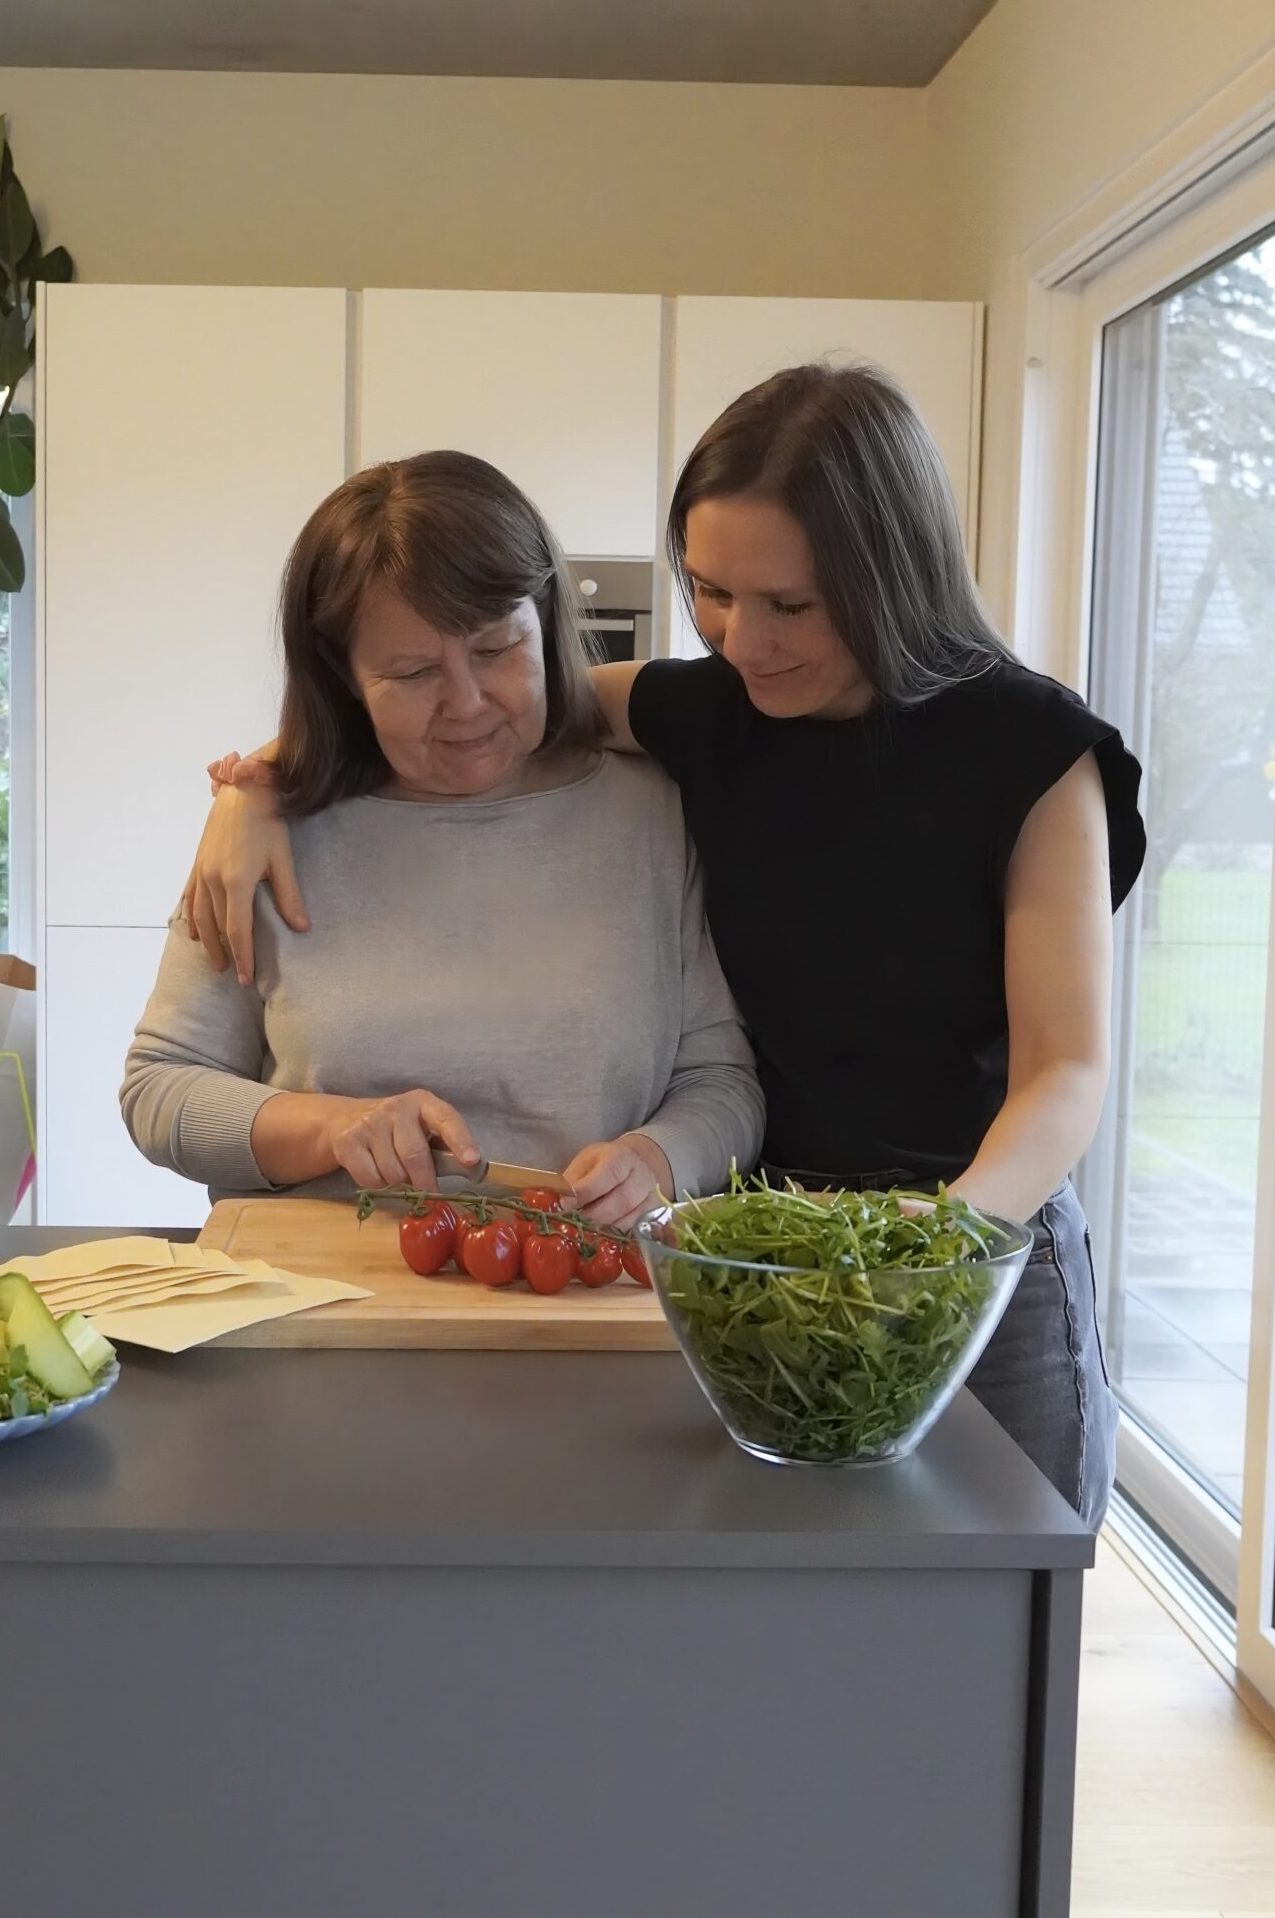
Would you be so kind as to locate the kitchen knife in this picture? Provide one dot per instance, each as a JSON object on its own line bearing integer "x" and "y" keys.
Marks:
{"x": 496, "y": 1172}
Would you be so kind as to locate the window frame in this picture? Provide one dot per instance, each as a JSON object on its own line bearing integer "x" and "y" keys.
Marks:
{"x": 1067, "y": 301}
{"x": 23, "y": 921}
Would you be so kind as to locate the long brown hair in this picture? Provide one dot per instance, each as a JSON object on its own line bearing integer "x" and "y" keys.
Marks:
{"x": 463, "y": 546}
{"x": 846, "y": 453}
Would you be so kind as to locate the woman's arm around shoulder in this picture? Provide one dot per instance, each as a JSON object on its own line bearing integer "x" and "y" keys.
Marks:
{"x": 244, "y": 841}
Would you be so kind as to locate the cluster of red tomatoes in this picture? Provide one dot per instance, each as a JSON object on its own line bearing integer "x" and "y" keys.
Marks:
{"x": 546, "y": 1250}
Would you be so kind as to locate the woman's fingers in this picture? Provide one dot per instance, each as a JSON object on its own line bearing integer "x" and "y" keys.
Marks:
{"x": 390, "y": 1169}
{"x": 623, "y": 1203}
{"x": 614, "y": 1184}
{"x": 281, "y": 876}
{"x": 221, "y": 771}
{"x": 442, "y": 1121}
{"x": 354, "y": 1157}
{"x": 586, "y": 1175}
{"x": 411, "y": 1144}
{"x": 629, "y": 1219}
{"x": 252, "y": 772}
{"x": 366, "y": 1151}
{"x": 207, "y": 924}
{"x": 238, "y": 907}
{"x": 244, "y": 841}
{"x": 389, "y": 1144}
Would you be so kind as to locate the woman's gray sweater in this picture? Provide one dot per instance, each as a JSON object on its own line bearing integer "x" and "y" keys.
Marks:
{"x": 541, "y": 963}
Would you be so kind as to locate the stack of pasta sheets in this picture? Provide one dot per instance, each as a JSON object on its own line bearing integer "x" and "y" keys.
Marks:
{"x": 144, "y": 1291}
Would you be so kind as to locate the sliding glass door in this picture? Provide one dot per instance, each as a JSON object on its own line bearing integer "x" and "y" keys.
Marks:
{"x": 1184, "y": 644}
{"x": 1180, "y": 1184}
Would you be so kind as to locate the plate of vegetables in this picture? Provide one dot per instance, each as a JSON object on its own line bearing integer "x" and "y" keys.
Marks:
{"x": 50, "y": 1369}
{"x": 831, "y": 1328}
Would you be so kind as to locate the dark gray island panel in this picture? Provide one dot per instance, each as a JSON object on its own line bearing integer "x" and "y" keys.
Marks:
{"x": 496, "y": 1636}
{"x": 324, "y": 1742}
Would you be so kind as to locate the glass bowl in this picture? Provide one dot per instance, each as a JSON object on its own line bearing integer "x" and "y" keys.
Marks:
{"x": 829, "y": 1367}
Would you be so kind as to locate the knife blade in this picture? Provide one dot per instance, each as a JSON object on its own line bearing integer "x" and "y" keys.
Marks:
{"x": 497, "y": 1172}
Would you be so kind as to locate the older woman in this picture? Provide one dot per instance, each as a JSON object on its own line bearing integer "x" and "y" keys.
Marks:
{"x": 509, "y": 951}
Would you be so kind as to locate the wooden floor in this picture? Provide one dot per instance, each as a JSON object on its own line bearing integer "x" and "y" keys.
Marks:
{"x": 1175, "y": 1798}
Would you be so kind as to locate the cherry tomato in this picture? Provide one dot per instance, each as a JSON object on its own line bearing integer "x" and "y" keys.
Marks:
{"x": 428, "y": 1239}
{"x": 491, "y": 1253}
{"x": 548, "y": 1261}
{"x": 634, "y": 1264}
{"x": 567, "y": 1230}
{"x": 465, "y": 1224}
{"x": 599, "y": 1264}
{"x": 523, "y": 1226}
{"x": 542, "y": 1198}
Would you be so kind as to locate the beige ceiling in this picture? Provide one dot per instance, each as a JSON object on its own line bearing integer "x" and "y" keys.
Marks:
{"x": 887, "y": 43}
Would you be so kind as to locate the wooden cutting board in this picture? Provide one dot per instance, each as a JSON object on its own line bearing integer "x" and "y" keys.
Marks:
{"x": 324, "y": 1239}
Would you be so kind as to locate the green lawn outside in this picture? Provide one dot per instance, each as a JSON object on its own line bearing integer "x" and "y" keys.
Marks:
{"x": 1201, "y": 1010}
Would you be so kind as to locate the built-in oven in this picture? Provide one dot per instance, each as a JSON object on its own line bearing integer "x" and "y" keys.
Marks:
{"x": 617, "y": 595}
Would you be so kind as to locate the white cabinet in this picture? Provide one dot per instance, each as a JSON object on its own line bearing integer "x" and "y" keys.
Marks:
{"x": 933, "y": 348}
{"x": 95, "y": 983}
{"x": 186, "y": 433}
{"x": 560, "y": 390}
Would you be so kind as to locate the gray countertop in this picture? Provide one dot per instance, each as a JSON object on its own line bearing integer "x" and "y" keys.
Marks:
{"x": 450, "y": 1458}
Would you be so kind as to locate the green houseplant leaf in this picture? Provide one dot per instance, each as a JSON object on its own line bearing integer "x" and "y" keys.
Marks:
{"x": 16, "y": 223}
{"x": 13, "y": 568}
{"x": 15, "y": 354}
{"x": 26, "y": 266}
{"x": 17, "y": 454}
{"x": 23, "y": 264}
{"x": 55, "y": 267}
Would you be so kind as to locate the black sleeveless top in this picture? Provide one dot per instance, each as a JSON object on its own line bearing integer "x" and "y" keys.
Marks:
{"x": 854, "y": 875}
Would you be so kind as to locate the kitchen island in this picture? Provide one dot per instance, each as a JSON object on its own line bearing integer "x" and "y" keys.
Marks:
{"x": 493, "y": 1635}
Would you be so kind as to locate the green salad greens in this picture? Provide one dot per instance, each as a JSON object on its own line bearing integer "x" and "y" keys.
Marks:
{"x": 837, "y": 1357}
{"x": 20, "y": 1394}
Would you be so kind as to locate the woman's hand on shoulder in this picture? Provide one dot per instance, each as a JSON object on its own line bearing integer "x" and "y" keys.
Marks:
{"x": 616, "y": 1181}
{"x": 243, "y": 841}
{"x": 232, "y": 769}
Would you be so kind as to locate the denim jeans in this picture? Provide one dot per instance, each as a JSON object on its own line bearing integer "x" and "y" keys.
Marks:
{"x": 1043, "y": 1376}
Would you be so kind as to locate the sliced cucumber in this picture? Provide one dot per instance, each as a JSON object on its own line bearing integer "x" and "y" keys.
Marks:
{"x": 30, "y": 1324}
{"x": 93, "y": 1351}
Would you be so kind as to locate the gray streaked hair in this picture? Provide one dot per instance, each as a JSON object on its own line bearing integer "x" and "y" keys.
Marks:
{"x": 847, "y": 454}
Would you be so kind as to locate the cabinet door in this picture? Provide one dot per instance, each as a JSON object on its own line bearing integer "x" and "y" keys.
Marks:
{"x": 560, "y": 390}
{"x": 187, "y": 434}
{"x": 96, "y": 983}
{"x": 933, "y": 348}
